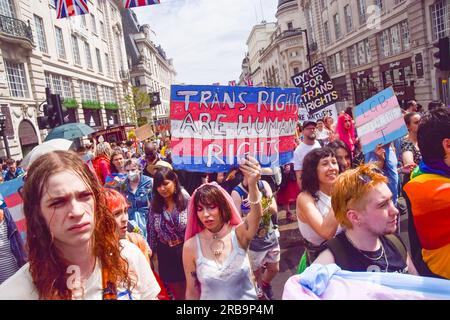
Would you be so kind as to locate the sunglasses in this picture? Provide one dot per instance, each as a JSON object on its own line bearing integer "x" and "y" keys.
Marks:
{"x": 366, "y": 178}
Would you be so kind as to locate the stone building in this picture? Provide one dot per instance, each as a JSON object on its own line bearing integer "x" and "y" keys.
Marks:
{"x": 82, "y": 58}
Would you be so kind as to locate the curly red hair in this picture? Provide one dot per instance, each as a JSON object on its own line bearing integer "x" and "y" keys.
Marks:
{"x": 48, "y": 267}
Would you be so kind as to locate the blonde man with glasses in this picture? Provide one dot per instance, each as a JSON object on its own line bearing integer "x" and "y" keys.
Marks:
{"x": 362, "y": 203}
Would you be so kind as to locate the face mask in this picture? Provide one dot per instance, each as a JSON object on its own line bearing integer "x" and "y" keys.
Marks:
{"x": 133, "y": 175}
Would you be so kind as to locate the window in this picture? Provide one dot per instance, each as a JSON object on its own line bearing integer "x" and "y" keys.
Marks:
{"x": 103, "y": 30}
{"x": 83, "y": 20}
{"x": 7, "y": 8}
{"x": 137, "y": 82}
{"x": 398, "y": 1}
{"x": 107, "y": 65}
{"x": 348, "y": 18}
{"x": 379, "y": 4}
{"x": 362, "y": 11}
{"x": 440, "y": 17}
{"x": 88, "y": 91}
{"x": 296, "y": 70}
{"x": 59, "y": 84}
{"x": 290, "y": 26}
{"x": 337, "y": 26}
{"x": 353, "y": 58}
{"x": 99, "y": 60}
{"x": 94, "y": 24}
{"x": 17, "y": 82}
{"x": 331, "y": 63}
{"x": 385, "y": 50}
{"x": 109, "y": 94}
{"x": 87, "y": 50}
{"x": 395, "y": 40}
{"x": 339, "y": 66}
{"x": 323, "y": 4}
{"x": 327, "y": 32}
{"x": 75, "y": 50}
{"x": 60, "y": 43}
{"x": 361, "y": 53}
{"x": 368, "y": 52}
{"x": 40, "y": 34}
{"x": 404, "y": 31}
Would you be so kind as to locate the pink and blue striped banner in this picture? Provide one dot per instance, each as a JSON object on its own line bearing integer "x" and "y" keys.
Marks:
{"x": 10, "y": 192}
{"x": 379, "y": 119}
{"x": 214, "y": 127}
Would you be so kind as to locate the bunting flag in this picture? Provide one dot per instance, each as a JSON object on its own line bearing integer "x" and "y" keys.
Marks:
{"x": 232, "y": 83}
{"x": 10, "y": 192}
{"x": 138, "y": 3}
{"x": 68, "y": 8}
{"x": 248, "y": 81}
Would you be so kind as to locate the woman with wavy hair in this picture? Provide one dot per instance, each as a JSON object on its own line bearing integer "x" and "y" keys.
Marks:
{"x": 74, "y": 249}
{"x": 316, "y": 220}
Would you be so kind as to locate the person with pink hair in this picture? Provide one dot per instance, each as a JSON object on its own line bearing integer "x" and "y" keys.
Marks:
{"x": 345, "y": 131}
{"x": 215, "y": 258}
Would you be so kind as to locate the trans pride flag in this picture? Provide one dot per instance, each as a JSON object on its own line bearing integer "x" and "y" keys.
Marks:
{"x": 10, "y": 192}
{"x": 138, "y": 3}
{"x": 68, "y": 8}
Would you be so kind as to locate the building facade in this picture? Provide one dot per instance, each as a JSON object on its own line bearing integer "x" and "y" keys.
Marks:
{"x": 258, "y": 40}
{"x": 150, "y": 69}
{"x": 368, "y": 45}
{"x": 82, "y": 58}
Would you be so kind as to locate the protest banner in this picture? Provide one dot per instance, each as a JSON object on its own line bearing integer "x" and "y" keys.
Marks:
{"x": 318, "y": 88}
{"x": 9, "y": 191}
{"x": 329, "y": 111}
{"x": 379, "y": 119}
{"x": 144, "y": 132}
{"x": 214, "y": 127}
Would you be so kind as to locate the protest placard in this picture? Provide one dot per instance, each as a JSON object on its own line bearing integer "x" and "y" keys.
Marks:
{"x": 379, "y": 119}
{"x": 318, "y": 88}
{"x": 144, "y": 132}
{"x": 329, "y": 111}
{"x": 214, "y": 127}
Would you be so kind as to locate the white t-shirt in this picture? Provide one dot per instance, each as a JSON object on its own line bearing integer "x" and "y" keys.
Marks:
{"x": 300, "y": 153}
{"x": 20, "y": 286}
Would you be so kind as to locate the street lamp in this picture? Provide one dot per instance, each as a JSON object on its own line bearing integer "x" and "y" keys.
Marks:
{"x": 3, "y": 133}
{"x": 307, "y": 46}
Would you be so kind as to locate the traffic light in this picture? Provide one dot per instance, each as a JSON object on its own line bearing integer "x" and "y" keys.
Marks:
{"x": 443, "y": 55}
{"x": 53, "y": 112}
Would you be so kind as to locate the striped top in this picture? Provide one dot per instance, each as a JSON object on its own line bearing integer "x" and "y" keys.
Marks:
{"x": 8, "y": 263}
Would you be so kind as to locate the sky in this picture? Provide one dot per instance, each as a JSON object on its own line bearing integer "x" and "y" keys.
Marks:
{"x": 205, "y": 38}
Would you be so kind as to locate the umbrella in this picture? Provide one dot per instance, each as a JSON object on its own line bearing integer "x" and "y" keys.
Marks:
{"x": 43, "y": 148}
{"x": 70, "y": 131}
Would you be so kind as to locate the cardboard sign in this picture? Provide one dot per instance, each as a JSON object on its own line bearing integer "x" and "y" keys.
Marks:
{"x": 329, "y": 111}
{"x": 144, "y": 132}
{"x": 318, "y": 89}
{"x": 214, "y": 127}
{"x": 379, "y": 119}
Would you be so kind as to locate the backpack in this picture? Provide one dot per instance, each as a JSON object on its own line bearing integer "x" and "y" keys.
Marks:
{"x": 336, "y": 247}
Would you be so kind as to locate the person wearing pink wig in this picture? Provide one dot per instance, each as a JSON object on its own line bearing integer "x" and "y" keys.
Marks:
{"x": 345, "y": 131}
{"x": 216, "y": 241}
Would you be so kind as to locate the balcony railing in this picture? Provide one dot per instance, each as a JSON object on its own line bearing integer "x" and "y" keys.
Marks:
{"x": 16, "y": 28}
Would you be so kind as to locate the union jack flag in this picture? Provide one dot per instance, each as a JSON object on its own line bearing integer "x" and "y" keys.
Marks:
{"x": 68, "y": 8}
{"x": 138, "y": 3}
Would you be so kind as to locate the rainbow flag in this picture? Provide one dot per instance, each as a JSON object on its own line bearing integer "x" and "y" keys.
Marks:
{"x": 138, "y": 3}
{"x": 68, "y": 8}
{"x": 10, "y": 192}
{"x": 430, "y": 204}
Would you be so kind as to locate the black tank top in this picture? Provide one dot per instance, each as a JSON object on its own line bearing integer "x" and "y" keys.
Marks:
{"x": 354, "y": 260}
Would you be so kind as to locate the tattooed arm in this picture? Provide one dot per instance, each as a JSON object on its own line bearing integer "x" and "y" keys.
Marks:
{"x": 190, "y": 270}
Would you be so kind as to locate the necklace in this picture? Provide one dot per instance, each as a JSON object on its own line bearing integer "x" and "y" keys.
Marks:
{"x": 217, "y": 245}
{"x": 383, "y": 254}
{"x": 360, "y": 251}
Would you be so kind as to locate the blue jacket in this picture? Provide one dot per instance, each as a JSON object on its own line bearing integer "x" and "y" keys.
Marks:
{"x": 15, "y": 240}
{"x": 139, "y": 203}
